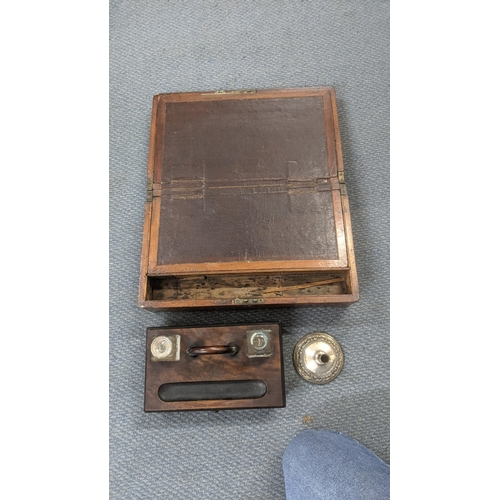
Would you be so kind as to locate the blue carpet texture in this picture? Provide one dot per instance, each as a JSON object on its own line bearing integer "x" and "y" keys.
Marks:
{"x": 159, "y": 46}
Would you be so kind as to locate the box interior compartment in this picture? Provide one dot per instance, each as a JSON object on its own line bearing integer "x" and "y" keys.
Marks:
{"x": 213, "y": 287}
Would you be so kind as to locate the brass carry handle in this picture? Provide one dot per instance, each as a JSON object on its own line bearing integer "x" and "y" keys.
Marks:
{"x": 212, "y": 349}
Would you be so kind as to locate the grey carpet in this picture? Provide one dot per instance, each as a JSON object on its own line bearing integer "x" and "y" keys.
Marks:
{"x": 173, "y": 46}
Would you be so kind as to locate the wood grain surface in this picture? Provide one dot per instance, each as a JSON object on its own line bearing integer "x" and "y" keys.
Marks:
{"x": 215, "y": 367}
{"x": 246, "y": 183}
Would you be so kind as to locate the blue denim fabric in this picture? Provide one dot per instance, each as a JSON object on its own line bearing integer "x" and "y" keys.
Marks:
{"x": 320, "y": 465}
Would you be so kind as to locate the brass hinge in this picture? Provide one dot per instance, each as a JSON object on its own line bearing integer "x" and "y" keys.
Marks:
{"x": 343, "y": 189}
{"x": 248, "y": 301}
{"x": 149, "y": 190}
{"x": 231, "y": 92}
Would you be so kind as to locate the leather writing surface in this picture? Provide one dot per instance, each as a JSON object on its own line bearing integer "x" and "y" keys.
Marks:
{"x": 245, "y": 180}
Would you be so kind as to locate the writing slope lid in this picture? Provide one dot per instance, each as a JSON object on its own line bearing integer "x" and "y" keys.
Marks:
{"x": 245, "y": 182}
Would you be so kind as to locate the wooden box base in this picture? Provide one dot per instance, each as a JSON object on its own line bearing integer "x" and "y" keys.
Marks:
{"x": 246, "y": 202}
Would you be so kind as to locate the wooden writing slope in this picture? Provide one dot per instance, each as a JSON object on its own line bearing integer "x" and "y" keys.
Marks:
{"x": 246, "y": 202}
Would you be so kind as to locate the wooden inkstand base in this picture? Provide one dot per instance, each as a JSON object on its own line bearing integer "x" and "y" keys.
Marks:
{"x": 214, "y": 368}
